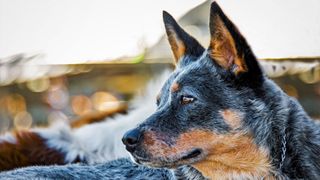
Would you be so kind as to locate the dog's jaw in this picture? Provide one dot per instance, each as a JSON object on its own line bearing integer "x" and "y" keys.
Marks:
{"x": 173, "y": 162}
{"x": 243, "y": 160}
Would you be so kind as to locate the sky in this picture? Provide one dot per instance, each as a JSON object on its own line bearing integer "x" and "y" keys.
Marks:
{"x": 76, "y": 31}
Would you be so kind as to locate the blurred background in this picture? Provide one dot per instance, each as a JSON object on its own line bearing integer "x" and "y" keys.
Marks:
{"x": 63, "y": 60}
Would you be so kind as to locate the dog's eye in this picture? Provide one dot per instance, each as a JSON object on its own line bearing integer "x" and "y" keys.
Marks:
{"x": 186, "y": 100}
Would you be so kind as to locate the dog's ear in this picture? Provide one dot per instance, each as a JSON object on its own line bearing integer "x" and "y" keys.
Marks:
{"x": 180, "y": 41}
{"x": 228, "y": 48}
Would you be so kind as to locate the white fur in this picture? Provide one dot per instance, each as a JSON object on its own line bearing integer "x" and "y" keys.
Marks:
{"x": 101, "y": 142}
{"x": 8, "y": 137}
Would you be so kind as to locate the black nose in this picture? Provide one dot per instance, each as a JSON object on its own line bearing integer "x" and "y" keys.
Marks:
{"x": 131, "y": 139}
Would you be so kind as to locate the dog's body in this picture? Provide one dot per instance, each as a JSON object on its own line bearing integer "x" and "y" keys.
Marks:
{"x": 218, "y": 116}
{"x": 115, "y": 170}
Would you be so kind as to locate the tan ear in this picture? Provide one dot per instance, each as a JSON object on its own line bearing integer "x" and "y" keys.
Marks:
{"x": 177, "y": 46}
{"x": 180, "y": 41}
{"x": 223, "y": 47}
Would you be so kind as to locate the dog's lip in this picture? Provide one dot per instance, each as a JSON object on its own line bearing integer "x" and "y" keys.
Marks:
{"x": 139, "y": 159}
{"x": 187, "y": 156}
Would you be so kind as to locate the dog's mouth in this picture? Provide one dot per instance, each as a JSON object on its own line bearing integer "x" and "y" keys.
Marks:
{"x": 192, "y": 154}
{"x": 189, "y": 157}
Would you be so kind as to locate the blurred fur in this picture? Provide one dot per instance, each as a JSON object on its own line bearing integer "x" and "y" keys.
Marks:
{"x": 92, "y": 143}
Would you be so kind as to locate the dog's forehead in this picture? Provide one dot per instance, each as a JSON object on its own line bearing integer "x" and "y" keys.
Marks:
{"x": 197, "y": 71}
{"x": 202, "y": 69}
{"x": 169, "y": 81}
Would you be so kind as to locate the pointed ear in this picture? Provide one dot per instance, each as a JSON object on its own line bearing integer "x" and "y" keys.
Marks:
{"x": 228, "y": 48}
{"x": 180, "y": 41}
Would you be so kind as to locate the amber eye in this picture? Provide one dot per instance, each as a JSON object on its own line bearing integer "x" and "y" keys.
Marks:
{"x": 186, "y": 100}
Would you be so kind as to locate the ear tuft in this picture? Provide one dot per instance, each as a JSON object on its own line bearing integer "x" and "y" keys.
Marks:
{"x": 223, "y": 48}
{"x": 180, "y": 41}
{"x": 228, "y": 48}
{"x": 177, "y": 46}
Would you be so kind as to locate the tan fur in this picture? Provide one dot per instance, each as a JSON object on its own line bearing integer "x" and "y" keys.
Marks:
{"x": 177, "y": 46}
{"x": 235, "y": 156}
{"x": 227, "y": 155}
{"x": 232, "y": 117}
{"x": 175, "y": 87}
{"x": 223, "y": 48}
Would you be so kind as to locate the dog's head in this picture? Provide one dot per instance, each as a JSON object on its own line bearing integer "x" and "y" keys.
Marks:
{"x": 201, "y": 107}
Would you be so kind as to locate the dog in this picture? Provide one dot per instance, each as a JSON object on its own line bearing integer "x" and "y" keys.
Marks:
{"x": 219, "y": 113}
{"x": 218, "y": 117}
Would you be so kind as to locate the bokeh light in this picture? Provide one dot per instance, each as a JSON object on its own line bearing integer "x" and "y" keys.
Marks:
{"x": 23, "y": 120}
{"x": 39, "y": 85}
{"x": 58, "y": 98}
{"x": 81, "y": 105}
{"x": 104, "y": 100}
{"x": 14, "y": 103}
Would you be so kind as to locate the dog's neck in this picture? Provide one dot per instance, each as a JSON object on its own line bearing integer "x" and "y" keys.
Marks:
{"x": 302, "y": 144}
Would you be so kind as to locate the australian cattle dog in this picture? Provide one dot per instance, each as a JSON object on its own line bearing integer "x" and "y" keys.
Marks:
{"x": 218, "y": 117}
